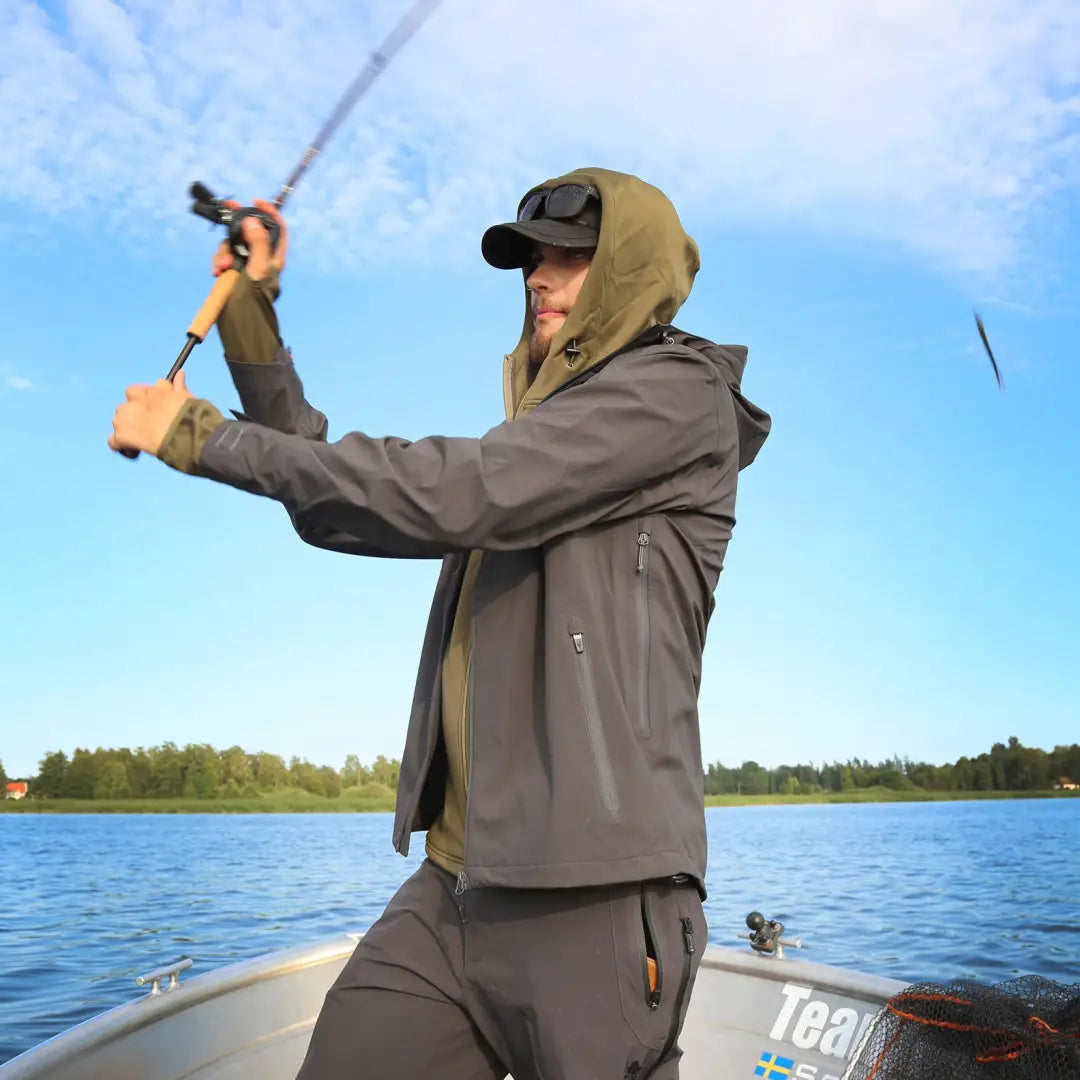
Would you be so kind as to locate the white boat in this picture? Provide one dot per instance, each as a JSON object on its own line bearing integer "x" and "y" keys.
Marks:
{"x": 755, "y": 1012}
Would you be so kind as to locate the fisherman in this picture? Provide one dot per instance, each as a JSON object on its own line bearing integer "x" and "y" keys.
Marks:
{"x": 555, "y": 927}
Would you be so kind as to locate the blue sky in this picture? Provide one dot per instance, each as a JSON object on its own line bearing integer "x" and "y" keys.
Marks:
{"x": 902, "y": 577}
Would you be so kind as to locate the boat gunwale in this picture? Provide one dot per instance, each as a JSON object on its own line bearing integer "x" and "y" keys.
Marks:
{"x": 132, "y": 1016}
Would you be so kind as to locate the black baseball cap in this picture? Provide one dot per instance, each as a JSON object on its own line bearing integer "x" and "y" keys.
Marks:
{"x": 567, "y": 215}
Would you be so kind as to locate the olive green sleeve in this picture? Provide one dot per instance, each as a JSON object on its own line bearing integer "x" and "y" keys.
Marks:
{"x": 188, "y": 433}
{"x": 248, "y": 328}
{"x": 248, "y": 325}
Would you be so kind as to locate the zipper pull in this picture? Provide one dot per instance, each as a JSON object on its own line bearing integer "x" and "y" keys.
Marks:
{"x": 688, "y": 933}
{"x": 462, "y": 883}
{"x": 642, "y": 544}
{"x": 579, "y": 642}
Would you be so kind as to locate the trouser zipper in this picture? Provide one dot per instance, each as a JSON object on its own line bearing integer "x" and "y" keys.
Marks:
{"x": 688, "y": 943}
{"x": 688, "y": 934}
{"x": 652, "y": 993}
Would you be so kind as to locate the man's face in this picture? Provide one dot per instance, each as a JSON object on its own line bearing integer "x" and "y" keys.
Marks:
{"x": 555, "y": 277}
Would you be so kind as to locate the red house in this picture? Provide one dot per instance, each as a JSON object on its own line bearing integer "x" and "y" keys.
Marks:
{"x": 17, "y": 789}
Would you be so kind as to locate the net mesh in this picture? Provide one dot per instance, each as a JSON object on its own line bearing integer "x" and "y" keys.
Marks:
{"x": 1022, "y": 1029}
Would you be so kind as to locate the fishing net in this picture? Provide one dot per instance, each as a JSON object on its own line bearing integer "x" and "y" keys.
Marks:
{"x": 1023, "y": 1029}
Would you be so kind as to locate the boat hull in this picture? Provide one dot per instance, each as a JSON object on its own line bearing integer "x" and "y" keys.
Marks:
{"x": 750, "y": 1015}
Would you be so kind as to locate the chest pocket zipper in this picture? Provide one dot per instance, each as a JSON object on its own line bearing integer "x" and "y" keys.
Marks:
{"x": 644, "y": 629}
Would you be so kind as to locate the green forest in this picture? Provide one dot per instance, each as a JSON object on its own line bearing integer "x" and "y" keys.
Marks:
{"x": 197, "y": 771}
{"x": 1006, "y": 767}
{"x": 199, "y": 774}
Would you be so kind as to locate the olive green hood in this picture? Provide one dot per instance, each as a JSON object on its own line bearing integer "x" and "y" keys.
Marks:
{"x": 641, "y": 274}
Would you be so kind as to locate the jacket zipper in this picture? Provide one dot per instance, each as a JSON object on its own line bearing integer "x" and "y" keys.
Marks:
{"x": 587, "y": 688}
{"x": 463, "y": 877}
{"x": 688, "y": 951}
{"x": 508, "y": 386}
{"x": 644, "y": 629}
{"x": 418, "y": 787}
{"x": 466, "y": 741}
{"x": 584, "y": 667}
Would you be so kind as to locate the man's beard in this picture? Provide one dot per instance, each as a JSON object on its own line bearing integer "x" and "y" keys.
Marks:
{"x": 539, "y": 347}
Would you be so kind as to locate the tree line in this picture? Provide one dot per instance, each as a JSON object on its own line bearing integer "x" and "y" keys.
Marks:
{"x": 199, "y": 771}
{"x": 1005, "y": 767}
{"x": 196, "y": 771}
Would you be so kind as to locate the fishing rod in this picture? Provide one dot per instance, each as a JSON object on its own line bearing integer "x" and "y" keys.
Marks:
{"x": 205, "y": 204}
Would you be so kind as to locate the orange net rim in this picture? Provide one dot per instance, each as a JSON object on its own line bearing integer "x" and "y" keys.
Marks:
{"x": 1037, "y": 1022}
{"x": 1009, "y": 1051}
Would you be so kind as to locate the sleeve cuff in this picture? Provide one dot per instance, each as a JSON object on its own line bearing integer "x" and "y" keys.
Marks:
{"x": 188, "y": 434}
{"x": 248, "y": 324}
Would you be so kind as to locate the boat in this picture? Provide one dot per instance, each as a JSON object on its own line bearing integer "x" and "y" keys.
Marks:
{"x": 756, "y": 1011}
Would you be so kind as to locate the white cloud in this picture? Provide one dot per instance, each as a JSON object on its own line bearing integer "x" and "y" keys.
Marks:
{"x": 13, "y": 381}
{"x": 948, "y": 129}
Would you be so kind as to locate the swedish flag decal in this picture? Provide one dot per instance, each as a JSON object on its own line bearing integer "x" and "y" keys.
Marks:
{"x": 774, "y": 1067}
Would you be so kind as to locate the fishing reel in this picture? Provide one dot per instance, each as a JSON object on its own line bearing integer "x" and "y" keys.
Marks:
{"x": 207, "y": 205}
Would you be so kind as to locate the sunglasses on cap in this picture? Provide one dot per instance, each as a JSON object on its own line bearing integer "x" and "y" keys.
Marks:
{"x": 564, "y": 201}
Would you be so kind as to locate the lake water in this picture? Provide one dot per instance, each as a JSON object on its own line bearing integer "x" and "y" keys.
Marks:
{"x": 910, "y": 891}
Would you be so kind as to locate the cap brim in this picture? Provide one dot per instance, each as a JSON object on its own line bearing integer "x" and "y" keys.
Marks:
{"x": 510, "y": 246}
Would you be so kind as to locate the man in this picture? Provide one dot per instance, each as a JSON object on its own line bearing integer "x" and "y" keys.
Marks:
{"x": 552, "y": 757}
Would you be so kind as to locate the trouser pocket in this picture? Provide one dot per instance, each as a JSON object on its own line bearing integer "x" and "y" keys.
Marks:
{"x": 659, "y": 933}
{"x": 687, "y": 969}
{"x": 654, "y": 973}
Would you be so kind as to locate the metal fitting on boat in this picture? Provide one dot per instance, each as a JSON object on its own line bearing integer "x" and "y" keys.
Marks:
{"x": 766, "y": 936}
{"x": 170, "y": 971}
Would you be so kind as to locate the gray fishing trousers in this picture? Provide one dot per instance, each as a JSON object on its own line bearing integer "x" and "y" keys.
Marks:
{"x": 541, "y": 984}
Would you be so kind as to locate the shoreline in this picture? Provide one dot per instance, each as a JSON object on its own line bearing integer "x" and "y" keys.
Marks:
{"x": 301, "y": 803}
{"x": 884, "y": 795}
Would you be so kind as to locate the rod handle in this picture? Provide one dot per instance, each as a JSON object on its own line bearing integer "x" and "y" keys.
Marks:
{"x": 205, "y": 317}
{"x": 213, "y": 305}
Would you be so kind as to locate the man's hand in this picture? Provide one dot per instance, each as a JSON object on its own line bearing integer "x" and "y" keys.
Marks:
{"x": 148, "y": 412}
{"x": 257, "y": 240}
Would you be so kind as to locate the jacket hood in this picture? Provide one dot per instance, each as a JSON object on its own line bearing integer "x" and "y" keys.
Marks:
{"x": 753, "y": 422}
{"x": 643, "y": 270}
{"x": 641, "y": 274}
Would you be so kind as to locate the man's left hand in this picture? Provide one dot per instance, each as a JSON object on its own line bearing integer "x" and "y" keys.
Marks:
{"x": 144, "y": 419}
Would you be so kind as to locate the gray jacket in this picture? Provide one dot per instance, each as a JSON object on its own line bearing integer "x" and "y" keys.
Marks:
{"x": 604, "y": 510}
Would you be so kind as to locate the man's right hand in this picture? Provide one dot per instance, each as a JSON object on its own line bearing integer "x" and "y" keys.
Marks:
{"x": 257, "y": 239}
